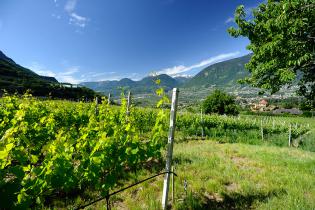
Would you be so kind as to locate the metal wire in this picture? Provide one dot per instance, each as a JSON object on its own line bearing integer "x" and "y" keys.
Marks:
{"x": 107, "y": 197}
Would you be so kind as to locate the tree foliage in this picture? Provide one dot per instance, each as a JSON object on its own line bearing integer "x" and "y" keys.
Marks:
{"x": 220, "y": 103}
{"x": 282, "y": 39}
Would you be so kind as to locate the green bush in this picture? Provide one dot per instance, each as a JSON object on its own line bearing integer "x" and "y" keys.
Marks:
{"x": 221, "y": 103}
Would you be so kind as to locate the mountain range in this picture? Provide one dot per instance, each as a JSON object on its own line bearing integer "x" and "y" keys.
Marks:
{"x": 222, "y": 74}
{"x": 145, "y": 85}
{"x": 17, "y": 79}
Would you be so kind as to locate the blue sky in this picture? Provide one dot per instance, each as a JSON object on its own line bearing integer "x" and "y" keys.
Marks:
{"x": 94, "y": 40}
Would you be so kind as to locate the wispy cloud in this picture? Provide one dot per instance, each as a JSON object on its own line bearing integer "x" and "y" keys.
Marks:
{"x": 74, "y": 17}
{"x": 68, "y": 79}
{"x": 70, "y": 5}
{"x": 111, "y": 75}
{"x": 70, "y": 70}
{"x": 56, "y": 16}
{"x": 73, "y": 75}
{"x": 135, "y": 76}
{"x": 178, "y": 70}
{"x": 78, "y": 20}
{"x": 229, "y": 20}
{"x": 66, "y": 76}
{"x": 102, "y": 74}
{"x": 41, "y": 70}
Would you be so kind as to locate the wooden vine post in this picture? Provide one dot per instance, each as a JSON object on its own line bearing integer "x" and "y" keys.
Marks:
{"x": 108, "y": 101}
{"x": 290, "y": 131}
{"x": 170, "y": 148}
{"x": 173, "y": 185}
{"x": 128, "y": 103}
{"x": 96, "y": 106}
{"x": 262, "y": 130}
{"x": 202, "y": 131}
{"x": 273, "y": 124}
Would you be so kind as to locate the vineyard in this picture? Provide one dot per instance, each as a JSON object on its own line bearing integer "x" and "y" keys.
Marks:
{"x": 52, "y": 148}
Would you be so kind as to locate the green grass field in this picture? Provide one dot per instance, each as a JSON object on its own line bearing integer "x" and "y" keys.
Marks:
{"x": 230, "y": 176}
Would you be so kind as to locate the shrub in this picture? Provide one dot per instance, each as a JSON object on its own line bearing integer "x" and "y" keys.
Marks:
{"x": 221, "y": 103}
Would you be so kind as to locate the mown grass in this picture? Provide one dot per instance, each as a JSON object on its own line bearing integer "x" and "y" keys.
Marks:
{"x": 230, "y": 176}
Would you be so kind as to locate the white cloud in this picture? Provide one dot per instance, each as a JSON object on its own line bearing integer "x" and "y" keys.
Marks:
{"x": 173, "y": 70}
{"x": 75, "y": 18}
{"x": 56, "y": 16}
{"x": 184, "y": 75}
{"x": 66, "y": 76}
{"x": 177, "y": 70}
{"x": 102, "y": 74}
{"x": 69, "y": 79}
{"x": 70, "y": 5}
{"x": 106, "y": 76}
{"x": 45, "y": 73}
{"x": 78, "y": 20}
{"x": 71, "y": 70}
{"x": 136, "y": 76}
{"x": 41, "y": 70}
{"x": 229, "y": 20}
{"x": 70, "y": 74}
{"x": 99, "y": 76}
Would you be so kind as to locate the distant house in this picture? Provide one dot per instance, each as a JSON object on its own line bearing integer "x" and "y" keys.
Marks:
{"x": 288, "y": 111}
{"x": 261, "y": 106}
{"x": 263, "y": 103}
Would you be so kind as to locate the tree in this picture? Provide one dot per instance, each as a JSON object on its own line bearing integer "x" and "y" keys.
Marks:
{"x": 220, "y": 103}
{"x": 282, "y": 39}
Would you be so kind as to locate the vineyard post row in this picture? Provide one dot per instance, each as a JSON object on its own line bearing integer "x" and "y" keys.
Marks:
{"x": 290, "y": 127}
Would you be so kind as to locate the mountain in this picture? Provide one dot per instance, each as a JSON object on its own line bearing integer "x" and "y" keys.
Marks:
{"x": 49, "y": 79}
{"x": 110, "y": 86}
{"x": 146, "y": 85}
{"x": 14, "y": 77}
{"x": 181, "y": 79}
{"x": 221, "y": 74}
{"x": 5, "y": 58}
{"x": 17, "y": 79}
